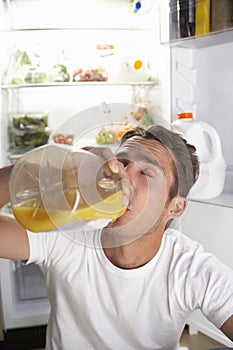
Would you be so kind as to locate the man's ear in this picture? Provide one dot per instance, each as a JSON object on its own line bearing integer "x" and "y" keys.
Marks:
{"x": 177, "y": 207}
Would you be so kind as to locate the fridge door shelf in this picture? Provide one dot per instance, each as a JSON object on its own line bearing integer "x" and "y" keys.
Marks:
{"x": 19, "y": 312}
{"x": 203, "y": 41}
{"x": 225, "y": 199}
{"x": 196, "y": 24}
{"x": 31, "y": 283}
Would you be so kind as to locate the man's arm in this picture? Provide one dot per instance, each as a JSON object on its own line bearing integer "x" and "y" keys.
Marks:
{"x": 227, "y": 327}
{"x": 4, "y": 188}
{"x": 13, "y": 237}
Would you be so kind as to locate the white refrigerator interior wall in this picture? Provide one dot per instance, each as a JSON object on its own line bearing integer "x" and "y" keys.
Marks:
{"x": 215, "y": 102}
{"x": 202, "y": 83}
{"x": 132, "y": 36}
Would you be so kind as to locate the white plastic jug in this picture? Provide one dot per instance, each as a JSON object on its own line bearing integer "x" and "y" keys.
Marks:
{"x": 209, "y": 150}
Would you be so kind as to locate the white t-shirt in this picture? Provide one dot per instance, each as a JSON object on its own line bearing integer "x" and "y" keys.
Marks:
{"x": 96, "y": 305}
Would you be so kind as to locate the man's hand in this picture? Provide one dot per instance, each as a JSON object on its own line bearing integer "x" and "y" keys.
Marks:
{"x": 4, "y": 185}
{"x": 112, "y": 167}
{"x": 227, "y": 328}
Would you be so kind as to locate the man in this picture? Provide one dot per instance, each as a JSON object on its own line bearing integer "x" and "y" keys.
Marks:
{"x": 133, "y": 284}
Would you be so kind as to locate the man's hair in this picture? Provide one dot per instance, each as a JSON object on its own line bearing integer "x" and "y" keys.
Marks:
{"x": 185, "y": 160}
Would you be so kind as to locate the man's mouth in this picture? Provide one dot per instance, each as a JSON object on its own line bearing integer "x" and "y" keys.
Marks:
{"x": 127, "y": 212}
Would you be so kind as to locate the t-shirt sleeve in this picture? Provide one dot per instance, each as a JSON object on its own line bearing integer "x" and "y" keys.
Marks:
{"x": 211, "y": 283}
{"x": 38, "y": 248}
{"x": 49, "y": 248}
{"x": 46, "y": 247}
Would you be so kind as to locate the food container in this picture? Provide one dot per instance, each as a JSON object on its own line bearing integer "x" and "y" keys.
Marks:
{"x": 28, "y": 130}
{"x": 66, "y": 139}
{"x": 90, "y": 74}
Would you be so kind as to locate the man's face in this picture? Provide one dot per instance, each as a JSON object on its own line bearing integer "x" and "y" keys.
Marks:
{"x": 149, "y": 168}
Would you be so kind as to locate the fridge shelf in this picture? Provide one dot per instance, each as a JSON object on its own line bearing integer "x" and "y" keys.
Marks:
{"x": 224, "y": 200}
{"x": 27, "y": 15}
{"x": 69, "y": 29}
{"x": 196, "y": 24}
{"x": 78, "y": 84}
{"x": 202, "y": 41}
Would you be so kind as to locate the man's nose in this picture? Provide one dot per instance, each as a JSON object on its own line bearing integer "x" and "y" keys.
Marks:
{"x": 131, "y": 168}
{"x": 131, "y": 183}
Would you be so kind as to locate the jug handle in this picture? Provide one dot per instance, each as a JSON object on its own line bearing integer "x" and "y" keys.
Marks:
{"x": 215, "y": 141}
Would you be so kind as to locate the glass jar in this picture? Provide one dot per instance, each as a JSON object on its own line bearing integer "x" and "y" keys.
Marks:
{"x": 28, "y": 130}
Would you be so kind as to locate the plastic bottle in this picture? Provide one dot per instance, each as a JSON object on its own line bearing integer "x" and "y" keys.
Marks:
{"x": 209, "y": 151}
{"x": 202, "y": 17}
{"x": 184, "y": 18}
{"x": 181, "y": 18}
{"x": 54, "y": 185}
{"x": 221, "y": 15}
{"x": 173, "y": 20}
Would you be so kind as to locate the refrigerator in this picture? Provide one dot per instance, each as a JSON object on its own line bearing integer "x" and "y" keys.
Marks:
{"x": 149, "y": 63}
{"x": 53, "y": 85}
{"x": 201, "y": 81}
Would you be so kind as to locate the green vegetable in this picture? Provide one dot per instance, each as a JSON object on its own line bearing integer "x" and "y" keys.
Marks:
{"x": 26, "y": 121}
{"x": 147, "y": 120}
{"x": 24, "y": 59}
{"x": 41, "y": 78}
{"x": 60, "y": 73}
{"x": 19, "y": 59}
{"x": 17, "y": 81}
{"x": 31, "y": 139}
{"x": 35, "y": 77}
{"x": 105, "y": 136}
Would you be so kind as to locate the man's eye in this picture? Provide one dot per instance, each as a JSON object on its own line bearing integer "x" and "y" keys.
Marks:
{"x": 125, "y": 162}
{"x": 146, "y": 173}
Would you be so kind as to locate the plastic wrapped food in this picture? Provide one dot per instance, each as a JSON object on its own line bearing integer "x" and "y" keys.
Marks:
{"x": 112, "y": 135}
{"x": 60, "y": 73}
{"x": 92, "y": 74}
{"x": 66, "y": 139}
{"x": 27, "y": 131}
{"x": 29, "y": 138}
{"x": 35, "y": 120}
{"x": 106, "y": 136}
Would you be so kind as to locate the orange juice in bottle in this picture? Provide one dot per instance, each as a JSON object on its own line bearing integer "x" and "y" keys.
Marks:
{"x": 53, "y": 185}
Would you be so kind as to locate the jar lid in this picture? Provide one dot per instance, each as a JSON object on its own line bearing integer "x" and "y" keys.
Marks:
{"x": 137, "y": 64}
{"x": 184, "y": 115}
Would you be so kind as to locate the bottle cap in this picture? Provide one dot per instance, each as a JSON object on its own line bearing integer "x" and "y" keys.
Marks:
{"x": 137, "y": 64}
{"x": 184, "y": 115}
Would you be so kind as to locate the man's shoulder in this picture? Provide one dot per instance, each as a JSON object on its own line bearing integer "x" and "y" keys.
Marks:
{"x": 180, "y": 242}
